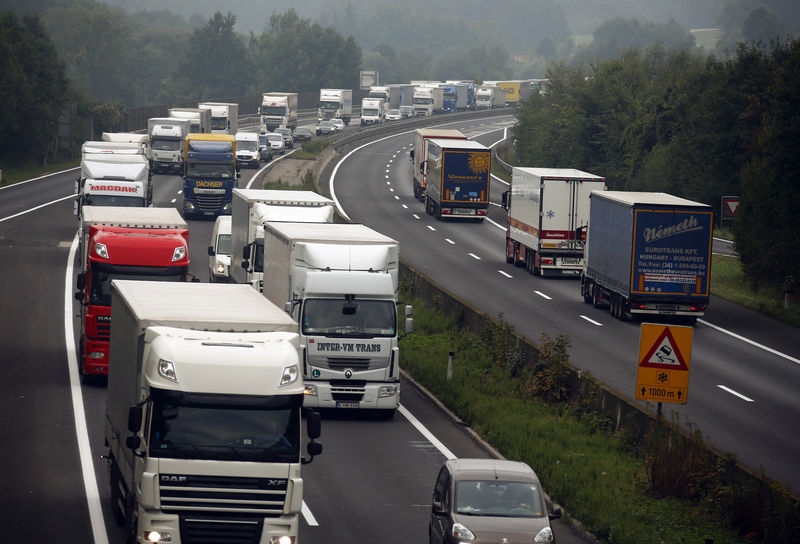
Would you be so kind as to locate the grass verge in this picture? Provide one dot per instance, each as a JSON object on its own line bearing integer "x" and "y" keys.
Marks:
{"x": 663, "y": 487}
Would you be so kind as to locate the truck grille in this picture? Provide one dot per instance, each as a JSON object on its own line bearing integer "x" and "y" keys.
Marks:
{"x": 209, "y": 203}
{"x": 342, "y": 363}
{"x": 192, "y": 495}
{"x": 104, "y": 330}
{"x": 210, "y": 530}
{"x": 348, "y": 390}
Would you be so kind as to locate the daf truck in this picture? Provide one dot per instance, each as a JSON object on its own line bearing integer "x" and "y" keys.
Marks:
{"x": 204, "y": 415}
{"x": 199, "y": 118}
{"x": 647, "y": 255}
{"x": 252, "y": 209}
{"x": 224, "y": 116}
{"x": 335, "y": 104}
{"x": 547, "y": 209}
{"x": 278, "y": 109}
{"x": 339, "y": 282}
{"x": 122, "y": 243}
{"x": 210, "y": 174}
{"x": 417, "y": 154}
{"x": 457, "y": 175}
{"x": 428, "y": 100}
{"x": 167, "y": 135}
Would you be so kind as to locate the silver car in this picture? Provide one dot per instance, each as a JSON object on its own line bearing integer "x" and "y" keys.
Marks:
{"x": 489, "y": 500}
{"x": 276, "y": 143}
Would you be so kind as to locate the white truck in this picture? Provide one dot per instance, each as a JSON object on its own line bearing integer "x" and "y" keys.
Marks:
{"x": 199, "y": 118}
{"x": 203, "y": 414}
{"x": 392, "y": 95}
{"x": 340, "y": 281}
{"x": 548, "y": 212}
{"x": 224, "y": 116}
{"x": 251, "y": 210}
{"x": 278, "y": 110}
{"x": 335, "y": 104}
{"x": 248, "y": 153}
{"x": 487, "y": 97}
{"x": 219, "y": 252}
{"x": 167, "y": 136}
{"x": 113, "y": 179}
{"x": 428, "y": 100}
{"x": 420, "y": 151}
{"x": 371, "y": 111}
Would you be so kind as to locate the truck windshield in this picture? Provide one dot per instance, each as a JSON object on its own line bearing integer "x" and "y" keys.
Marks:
{"x": 337, "y": 317}
{"x": 218, "y": 428}
{"x": 369, "y": 112}
{"x": 246, "y": 145}
{"x": 114, "y": 200}
{"x": 219, "y": 123}
{"x": 102, "y": 274}
{"x": 329, "y": 106}
{"x": 279, "y": 111}
{"x": 160, "y": 144}
{"x": 423, "y": 101}
{"x": 209, "y": 170}
{"x": 223, "y": 244}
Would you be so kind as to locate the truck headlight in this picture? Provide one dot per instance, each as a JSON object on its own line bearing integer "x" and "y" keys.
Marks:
{"x": 101, "y": 250}
{"x": 166, "y": 369}
{"x": 179, "y": 253}
{"x": 188, "y": 205}
{"x": 281, "y": 540}
{"x": 220, "y": 268}
{"x": 310, "y": 390}
{"x": 387, "y": 391}
{"x": 157, "y": 536}
{"x": 289, "y": 375}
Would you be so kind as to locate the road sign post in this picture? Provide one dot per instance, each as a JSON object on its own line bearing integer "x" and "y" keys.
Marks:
{"x": 663, "y": 363}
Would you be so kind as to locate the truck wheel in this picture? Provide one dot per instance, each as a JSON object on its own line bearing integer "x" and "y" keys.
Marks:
{"x": 597, "y": 299}
{"x": 437, "y": 212}
{"x": 515, "y": 256}
{"x": 428, "y": 205}
{"x": 509, "y": 251}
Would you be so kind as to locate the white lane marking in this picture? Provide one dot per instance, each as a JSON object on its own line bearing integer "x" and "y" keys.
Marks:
{"x": 505, "y": 274}
{"x": 391, "y": 190}
{"x": 426, "y": 433}
{"x": 495, "y": 223}
{"x": 405, "y": 206}
{"x": 81, "y": 430}
{"x": 449, "y": 241}
{"x": 396, "y": 197}
{"x": 732, "y": 392}
{"x": 415, "y": 216}
{"x": 500, "y": 180}
{"x": 542, "y": 295}
{"x": 173, "y": 201}
{"x": 751, "y": 342}
{"x": 37, "y": 207}
{"x": 592, "y": 321}
{"x": 18, "y": 183}
{"x": 474, "y": 256}
{"x": 431, "y": 228}
{"x": 310, "y": 519}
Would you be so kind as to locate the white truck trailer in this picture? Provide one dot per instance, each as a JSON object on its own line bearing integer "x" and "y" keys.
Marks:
{"x": 335, "y": 104}
{"x": 203, "y": 414}
{"x": 113, "y": 179}
{"x": 224, "y": 116}
{"x": 340, "y": 281}
{"x": 278, "y": 109}
{"x": 548, "y": 211}
{"x": 199, "y": 118}
{"x": 251, "y": 210}
{"x": 428, "y": 100}
{"x": 167, "y": 136}
{"x": 420, "y": 150}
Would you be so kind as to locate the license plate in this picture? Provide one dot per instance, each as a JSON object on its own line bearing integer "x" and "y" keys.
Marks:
{"x": 571, "y": 261}
{"x": 464, "y": 211}
{"x": 347, "y": 405}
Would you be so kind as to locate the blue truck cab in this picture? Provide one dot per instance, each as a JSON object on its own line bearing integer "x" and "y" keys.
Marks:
{"x": 210, "y": 174}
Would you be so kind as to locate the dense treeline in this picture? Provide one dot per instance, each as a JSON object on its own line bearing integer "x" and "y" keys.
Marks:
{"x": 690, "y": 125}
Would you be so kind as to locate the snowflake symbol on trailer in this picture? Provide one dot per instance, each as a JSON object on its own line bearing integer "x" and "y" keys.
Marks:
{"x": 550, "y": 214}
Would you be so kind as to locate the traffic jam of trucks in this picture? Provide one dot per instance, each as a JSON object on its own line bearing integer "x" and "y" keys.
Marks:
{"x": 314, "y": 302}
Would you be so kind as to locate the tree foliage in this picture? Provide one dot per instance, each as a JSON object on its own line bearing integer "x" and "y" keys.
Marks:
{"x": 295, "y": 55}
{"x": 32, "y": 89}
{"x": 679, "y": 122}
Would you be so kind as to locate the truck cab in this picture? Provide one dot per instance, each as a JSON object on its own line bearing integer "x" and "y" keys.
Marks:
{"x": 210, "y": 174}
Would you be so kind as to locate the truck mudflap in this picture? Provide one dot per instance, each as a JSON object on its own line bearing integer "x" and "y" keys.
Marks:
{"x": 352, "y": 394}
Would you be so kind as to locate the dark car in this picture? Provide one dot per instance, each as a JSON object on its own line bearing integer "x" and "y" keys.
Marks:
{"x": 326, "y": 128}
{"x": 489, "y": 500}
{"x": 264, "y": 149}
{"x": 302, "y": 134}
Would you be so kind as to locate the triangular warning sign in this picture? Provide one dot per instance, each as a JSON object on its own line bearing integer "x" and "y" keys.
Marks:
{"x": 664, "y": 354}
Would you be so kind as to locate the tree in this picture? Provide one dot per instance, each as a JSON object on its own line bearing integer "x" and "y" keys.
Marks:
{"x": 216, "y": 64}
{"x": 33, "y": 89}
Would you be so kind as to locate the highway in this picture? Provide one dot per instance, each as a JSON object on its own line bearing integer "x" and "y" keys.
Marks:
{"x": 374, "y": 479}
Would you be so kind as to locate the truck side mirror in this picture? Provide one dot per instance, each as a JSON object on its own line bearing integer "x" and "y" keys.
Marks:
{"x": 134, "y": 419}
{"x": 504, "y": 200}
{"x": 246, "y": 253}
{"x": 80, "y": 282}
{"x": 422, "y": 166}
{"x": 133, "y": 442}
{"x": 211, "y": 251}
{"x": 313, "y": 425}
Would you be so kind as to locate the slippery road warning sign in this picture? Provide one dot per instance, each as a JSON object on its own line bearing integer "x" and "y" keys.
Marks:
{"x": 663, "y": 365}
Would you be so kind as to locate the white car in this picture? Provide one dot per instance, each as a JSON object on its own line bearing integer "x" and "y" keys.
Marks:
{"x": 393, "y": 115}
{"x": 219, "y": 252}
{"x": 276, "y": 142}
{"x": 339, "y": 124}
